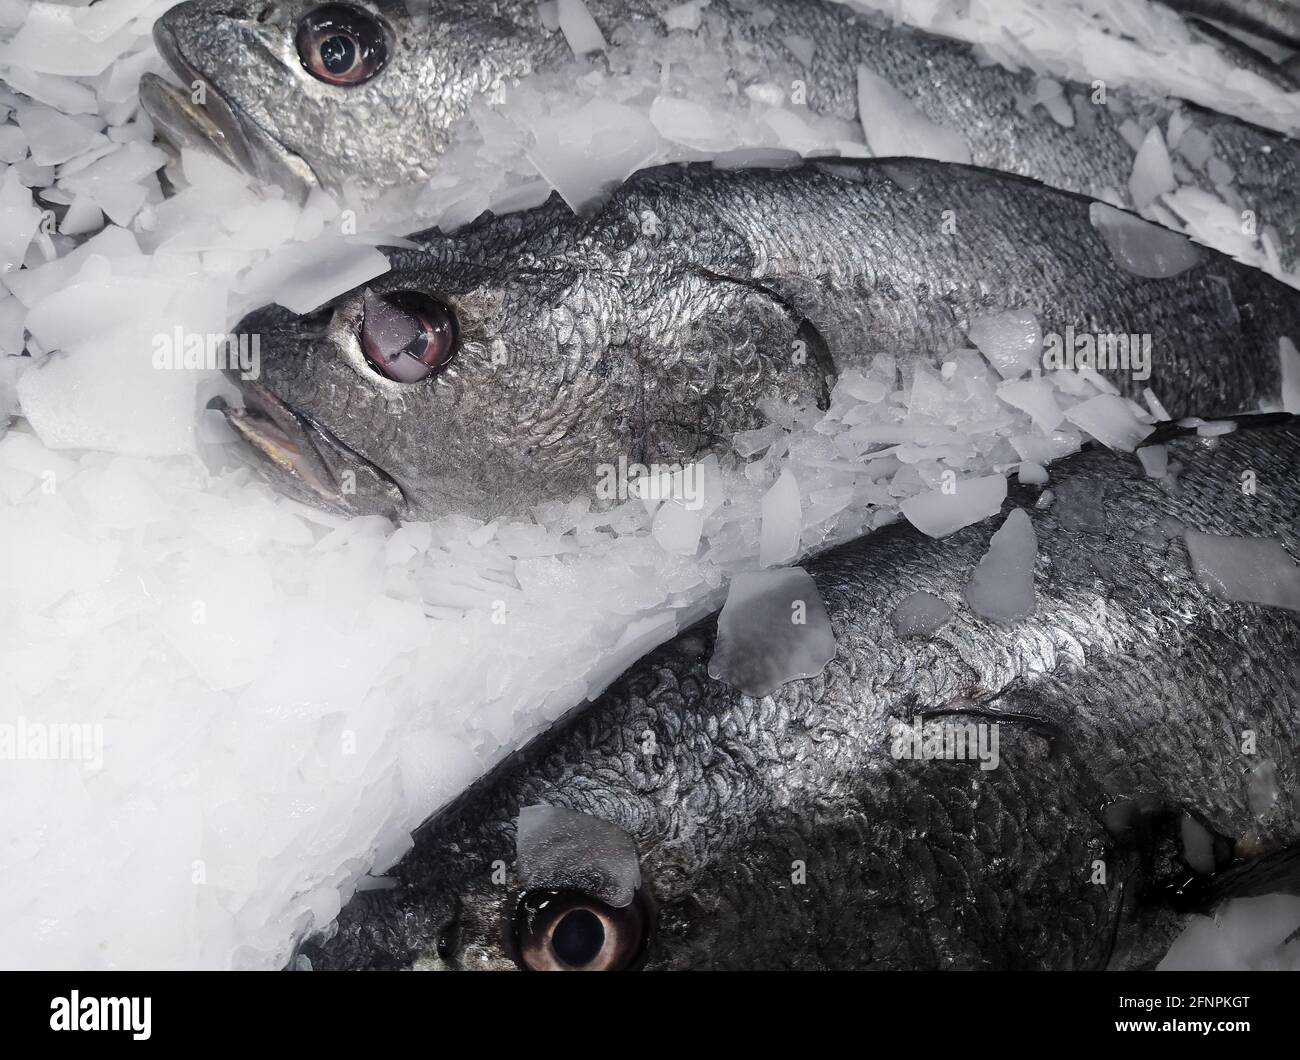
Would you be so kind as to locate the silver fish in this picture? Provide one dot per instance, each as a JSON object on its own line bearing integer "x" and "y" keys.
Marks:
{"x": 502, "y": 365}
{"x": 1131, "y": 713}
{"x": 389, "y": 111}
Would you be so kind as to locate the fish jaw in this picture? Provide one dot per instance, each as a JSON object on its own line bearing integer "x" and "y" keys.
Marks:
{"x": 217, "y": 125}
{"x": 305, "y": 460}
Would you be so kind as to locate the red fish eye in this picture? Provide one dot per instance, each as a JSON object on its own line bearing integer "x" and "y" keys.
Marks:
{"x": 563, "y": 931}
{"x": 341, "y": 45}
{"x": 406, "y": 335}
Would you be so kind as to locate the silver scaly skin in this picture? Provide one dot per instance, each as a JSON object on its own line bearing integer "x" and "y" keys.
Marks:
{"x": 269, "y": 115}
{"x": 1121, "y": 704}
{"x": 653, "y": 329}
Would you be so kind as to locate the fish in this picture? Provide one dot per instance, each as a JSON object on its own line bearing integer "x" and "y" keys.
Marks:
{"x": 391, "y": 111}
{"x": 677, "y": 823}
{"x": 503, "y": 364}
{"x": 1274, "y": 20}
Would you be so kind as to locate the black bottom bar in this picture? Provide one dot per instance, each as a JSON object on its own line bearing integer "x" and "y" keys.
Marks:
{"x": 377, "y": 1012}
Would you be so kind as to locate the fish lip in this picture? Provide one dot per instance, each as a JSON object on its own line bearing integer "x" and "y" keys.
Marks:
{"x": 279, "y": 435}
{"x": 219, "y": 125}
{"x": 291, "y": 443}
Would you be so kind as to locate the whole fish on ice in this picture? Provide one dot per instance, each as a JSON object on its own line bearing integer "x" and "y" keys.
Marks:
{"x": 1130, "y": 750}
{"x": 365, "y": 95}
{"x": 501, "y": 365}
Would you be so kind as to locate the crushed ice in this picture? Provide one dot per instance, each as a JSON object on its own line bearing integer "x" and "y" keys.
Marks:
{"x": 560, "y": 850}
{"x": 1251, "y": 570}
{"x": 1001, "y": 588}
{"x": 773, "y": 629}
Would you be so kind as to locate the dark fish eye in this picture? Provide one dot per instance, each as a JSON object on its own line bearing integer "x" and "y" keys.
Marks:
{"x": 406, "y": 336}
{"x": 566, "y": 931}
{"x": 341, "y": 44}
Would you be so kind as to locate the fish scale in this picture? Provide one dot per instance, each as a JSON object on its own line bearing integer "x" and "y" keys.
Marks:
{"x": 917, "y": 863}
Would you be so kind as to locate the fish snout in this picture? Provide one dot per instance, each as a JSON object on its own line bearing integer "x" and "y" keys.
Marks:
{"x": 284, "y": 429}
{"x": 207, "y": 46}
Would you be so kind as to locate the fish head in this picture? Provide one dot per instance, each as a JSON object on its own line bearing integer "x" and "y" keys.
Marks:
{"x": 305, "y": 460}
{"x": 441, "y": 386}
{"x": 547, "y": 889}
{"x": 355, "y": 98}
{"x": 518, "y": 361}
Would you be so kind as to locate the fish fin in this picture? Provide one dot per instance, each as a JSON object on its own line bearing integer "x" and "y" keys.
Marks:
{"x": 1168, "y": 430}
{"x": 1242, "y": 54}
{"x": 1274, "y": 873}
{"x": 1278, "y": 22}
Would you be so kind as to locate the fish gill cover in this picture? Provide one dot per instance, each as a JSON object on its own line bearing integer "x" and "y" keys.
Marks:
{"x": 267, "y": 699}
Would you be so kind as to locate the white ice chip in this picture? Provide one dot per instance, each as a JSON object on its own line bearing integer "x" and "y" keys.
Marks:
{"x": 686, "y": 122}
{"x": 1155, "y": 460}
{"x": 579, "y": 28}
{"x": 941, "y": 512}
{"x": 54, "y": 138}
{"x": 1153, "y": 173}
{"x": 306, "y": 275}
{"x": 1157, "y": 410}
{"x": 1110, "y": 419}
{"x": 782, "y": 522}
{"x": 920, "y": 614}
{"x": 1249, "y": 569}
{"x": 1143, "y": 248}
{"x": 1001, "y": 587}
{"x": 1012, "y": 341}
{"x": 1032, "y": 474}
{"x": 1036, "y": 397}
{"x": 773, "y": 629}
{"x": 562, "y": 850}
{"x": 895, "y": 128}
{"x": 687, "y": 16}
{"x": 584, "y": 153}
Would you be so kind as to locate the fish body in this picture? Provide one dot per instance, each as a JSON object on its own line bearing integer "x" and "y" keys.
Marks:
{"x": 270, "y": 114}
{"x": 1132, "y": 706}
{"x": 654, "y": 329}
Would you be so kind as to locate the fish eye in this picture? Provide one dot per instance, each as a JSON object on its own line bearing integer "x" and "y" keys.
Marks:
{"x": 341, "y": 44}
{"x": 566, "y": 931}
{"x": 406, "y": 336}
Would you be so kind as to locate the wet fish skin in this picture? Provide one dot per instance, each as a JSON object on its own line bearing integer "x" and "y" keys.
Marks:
{"x": 653, "y": 330}
{"x": 391, "y": 131}
{"x": 1120, "y": 704}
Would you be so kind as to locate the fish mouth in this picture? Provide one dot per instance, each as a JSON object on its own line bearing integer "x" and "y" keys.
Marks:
{"x": 308, "y": 461}
{"x": 217, "y": 125}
